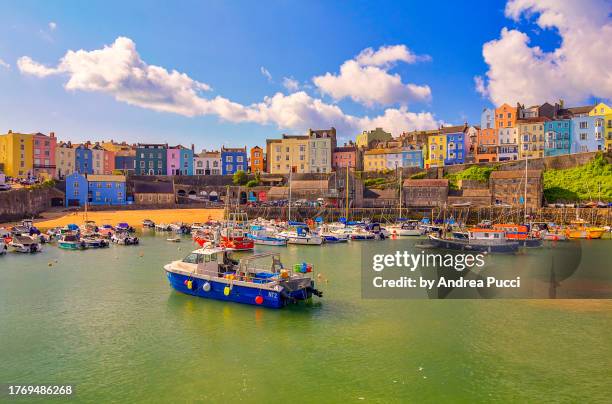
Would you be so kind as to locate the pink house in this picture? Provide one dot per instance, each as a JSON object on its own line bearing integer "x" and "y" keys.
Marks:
{"x": 346, "y": 156}
{"x": 109, "y": 162}
{"x": 173, "y": 160}
{"x": 43, "y": 154}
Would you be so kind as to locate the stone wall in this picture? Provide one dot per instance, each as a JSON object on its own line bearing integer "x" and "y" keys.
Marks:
{"x": 19, "y": 204}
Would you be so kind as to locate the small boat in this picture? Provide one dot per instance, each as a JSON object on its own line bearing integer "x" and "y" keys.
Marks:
{"x": 174, "y": 239}
{"x": 581, "y": 229}
{"x": 519, "y": 233}
{"x": 213, "y": 274}
{"x": 148, "y": 223}
{"x": 548, "y": 231}
{"x": 376, "y": 229}
{"x": 124, "y": 227}
{"x": 405, "y": 229}
{"x": 332, "y": 235}
{"x": 162, "y": 227}
{"x": 95, "y": 242}
{"x": 359, "y": 233}
{"x": 106, "y": 231}
{"x": 263, "y": 236}
{"x": 70, "y": 242}
{"x": 301, "y": 235}
{"x": 124, "y": 238}
{"x": 476, "y": 239}
{"x": 236, "y": 239}
{"x": 24, "y": 244}
{"x": 3, "y": 247}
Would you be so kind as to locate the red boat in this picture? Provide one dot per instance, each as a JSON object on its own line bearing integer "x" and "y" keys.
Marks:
{"x": 236, "y": 239}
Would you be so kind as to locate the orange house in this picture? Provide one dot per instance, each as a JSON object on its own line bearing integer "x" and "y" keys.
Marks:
{"x": 257, "y": 160}
{"x": 505, "y": 116}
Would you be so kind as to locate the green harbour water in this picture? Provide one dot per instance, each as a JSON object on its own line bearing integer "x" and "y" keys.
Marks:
{"x": 108, "y": 322}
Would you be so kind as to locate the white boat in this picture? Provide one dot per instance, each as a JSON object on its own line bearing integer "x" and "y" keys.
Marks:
{"x": 301, "y": 235}
{"x": 408, "y": 228}
{"x": 123, "y": 238}
{"x": 264, "y": 236}
{"x": 2, "y": 247}
{"x": 332, "y": 235}
{"x": 162, "y": 227}
{"x": 359, "y": 233}
{"x": 25, "y": 244}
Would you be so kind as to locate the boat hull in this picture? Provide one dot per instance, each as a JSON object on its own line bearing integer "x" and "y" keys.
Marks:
{"x": 506, "y": 248}
{"x": 69, "y": 245}
{"x": 270, "y": 241}
{"x": 238, "y": 294}
{"x": 305, "y": 240}
{"x": 530, "y": 242}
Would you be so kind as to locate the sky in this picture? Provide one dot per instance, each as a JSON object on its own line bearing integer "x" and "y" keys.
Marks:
{"x": 234, "y": 73}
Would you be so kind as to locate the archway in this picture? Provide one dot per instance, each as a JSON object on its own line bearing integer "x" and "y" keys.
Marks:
{"x": 213, "y": 196}
{"x": 181, "y": 193}
{"x": 243, "y": 197}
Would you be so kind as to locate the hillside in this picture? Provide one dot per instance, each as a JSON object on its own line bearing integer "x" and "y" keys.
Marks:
{"x": 591, "y": 181}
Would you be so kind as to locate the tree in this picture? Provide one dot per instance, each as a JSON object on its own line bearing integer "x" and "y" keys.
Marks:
{"x": 240, "y": 178}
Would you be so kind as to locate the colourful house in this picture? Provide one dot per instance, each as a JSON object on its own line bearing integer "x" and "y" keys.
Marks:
{"x": 65, "y": 160}
{"x": 557, "y": 136}
{"x": 368, "y": 138}
{"x": 257, "y": 162}
{"x": 179, "y": 160}
{"x": 95, "y": 190}
{"x": 507, "y": 150}
{"x": 124, "y": 161}
{"x": 109, "y": 162}
{"x": 487, "y": 138}
{"x": 16, "y": 154}
{"x": 587, "y": 130}
{"x": 455, "y": 144}
{"x": 44, "y": 155}
{"x": 436, "y": 151}
{"x": 83, "y": 159}
{"x": 531, "y": 137}
{"x": 604, "y": 112}
{"x": 347, "y": 156}
{"x": 151, "y": 159}
{"x": 233, "y": 159}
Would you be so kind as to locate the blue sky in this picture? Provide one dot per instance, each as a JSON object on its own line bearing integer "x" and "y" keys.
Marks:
{"x": 225, "y": 44}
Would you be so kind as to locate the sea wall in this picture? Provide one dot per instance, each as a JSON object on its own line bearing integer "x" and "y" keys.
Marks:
{"x": 19, "y": 204}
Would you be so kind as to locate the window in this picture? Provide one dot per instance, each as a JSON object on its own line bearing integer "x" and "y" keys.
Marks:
{"x": 583, "y": 136}
{"x": 229, "y": 159}
{"x": 239, "y": 159}
{"x": 584, "y": 125}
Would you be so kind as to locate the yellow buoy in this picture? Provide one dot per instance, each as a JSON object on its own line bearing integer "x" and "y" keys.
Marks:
{"x": 189, "y": 284}
{"x": 226, "y": 291}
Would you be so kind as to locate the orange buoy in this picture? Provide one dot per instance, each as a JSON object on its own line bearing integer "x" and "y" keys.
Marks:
{"x": 259, "y": 299}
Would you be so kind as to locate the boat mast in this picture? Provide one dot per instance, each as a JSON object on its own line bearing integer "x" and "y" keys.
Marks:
{"x": 525, "y": 200}
{"x": 400, "y": 192}
{"x": 347, "y": 190}
{"x": 289, "y": 212}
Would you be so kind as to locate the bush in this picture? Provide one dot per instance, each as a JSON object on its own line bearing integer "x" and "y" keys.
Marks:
{"x": 478, "y": 173}
{"x": 252, "y": 183}
{"x": 418, "y": 176}
{"x": 240, "y": 178}
{"x": 591, "y": 181}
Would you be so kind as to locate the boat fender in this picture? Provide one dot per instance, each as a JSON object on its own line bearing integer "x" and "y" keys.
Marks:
{"x": 189, "y": 285}
{"x": 227, "y": 290}
{"x": 259, "y": 299}
{"x": 206, "y": 287}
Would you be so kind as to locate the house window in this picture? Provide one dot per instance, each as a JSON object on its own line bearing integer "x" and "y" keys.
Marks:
{"x": 239, "y": 159}
{"x": 583, "y": 136}
{"x": 229, "y": 159}
{"x": 584, "y": 125}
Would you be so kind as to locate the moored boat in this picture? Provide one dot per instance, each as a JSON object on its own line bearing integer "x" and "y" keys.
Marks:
{"x": 3, "y": 247}
{"x": 405, "y": 229}
{"x": 148, "y": 223}
{"x": 212, "y": 273}
{"x": 94, "y": 242}
{"x": 24, "y": 244}
{"x": 264, "y": 236}
{"x": 581, "y": 229}
{"x": 476, "y": 239}
{"x": 124, "y": 238}
{"x": 301, "y": 234}
{"x": 519, "y": 233}
{"x": 70, "y": 242}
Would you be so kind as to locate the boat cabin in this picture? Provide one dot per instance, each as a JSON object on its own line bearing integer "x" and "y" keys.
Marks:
{"x": 486, "y": 234}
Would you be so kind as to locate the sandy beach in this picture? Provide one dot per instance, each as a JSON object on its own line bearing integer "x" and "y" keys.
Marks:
{"x": 133, "y": 217}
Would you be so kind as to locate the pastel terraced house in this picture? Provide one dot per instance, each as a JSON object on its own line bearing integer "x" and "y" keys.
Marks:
{"x": 16, "y": 154}
{"x": 604, "y": 113}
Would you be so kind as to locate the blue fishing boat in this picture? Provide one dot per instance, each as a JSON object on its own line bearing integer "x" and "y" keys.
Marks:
{"x": 263, "y": 236}
{"x": 70, "y": 242}
{"x": 213, "y": 274}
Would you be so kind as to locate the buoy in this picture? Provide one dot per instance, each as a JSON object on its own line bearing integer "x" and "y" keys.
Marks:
{"x": 259, "y": 299}
{"x": 226, "y": 290}
{"x": 189, "y": 284}
{"x": 185, "y": 282}
{"x": 50, "y": 264}
{"x": 206, "y": 287}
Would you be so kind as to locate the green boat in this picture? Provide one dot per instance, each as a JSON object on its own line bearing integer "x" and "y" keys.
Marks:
{"x": 71, "y": 242}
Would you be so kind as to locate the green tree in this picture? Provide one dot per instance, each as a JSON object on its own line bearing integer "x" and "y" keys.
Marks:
{"x": 240, "y": 178}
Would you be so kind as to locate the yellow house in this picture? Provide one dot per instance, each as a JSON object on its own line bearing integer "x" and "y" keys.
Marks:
{"x": 289, "y": 154}
{"x": 375, "y": 160}
{"x": 436, "y": 151}
{"x": 16, "y": 154}
{"x": 367, "y": 137}
{"x": 531, "y": 137}
{"x": 605, "y": 111}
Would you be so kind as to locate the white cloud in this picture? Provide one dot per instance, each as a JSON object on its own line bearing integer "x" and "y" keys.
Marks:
{"x": 291, "y": 84}
{"x": 119, "y": 71}
{"x": 387, "y": 55}
{"x": 52, "y": 26}
{"x": 266, "y": 73}
{"x": 366, "y": 79}
{"x": 575, "y": 71}
{"x": 4, "y": 64}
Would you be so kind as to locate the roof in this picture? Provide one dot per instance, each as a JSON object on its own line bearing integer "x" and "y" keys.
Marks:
{"x": 580, "y": 110}
{"x": 453, "y": 129}
{"x": 426, "y": 183}
{"x": 106, "y": 178}
{"x": 345, "y": 149}
{"x": 533, "y": 120}
{"x": 153, "y": 187}
{"x": 379, "y": 193}
{"x": 515, "y": 174}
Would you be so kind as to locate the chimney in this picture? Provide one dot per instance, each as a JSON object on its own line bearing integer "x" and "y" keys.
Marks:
{"x": 52, "y": 135}
{"x": 193, "y": 148}
{"x": 10, "y": 131}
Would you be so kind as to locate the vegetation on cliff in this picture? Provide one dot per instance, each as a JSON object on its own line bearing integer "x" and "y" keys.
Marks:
{"x": 478, "y": 173}
{"x": 591, "y": 181}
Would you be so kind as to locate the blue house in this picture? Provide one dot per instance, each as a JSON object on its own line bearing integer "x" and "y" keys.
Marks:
{"x": 233, "y": 159}
{"x": 83, "y": 160}
{"x": 557, "y": 137}
{"x": 455, "y": 148}
{"x": 125, "y": 163}
{"x": 95, "y": 190}
{"x": 187, "y": 161}
{"x": 150, "y": 159}
{"x": 412, "y": 158}
{"x": 587, "y": 135}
